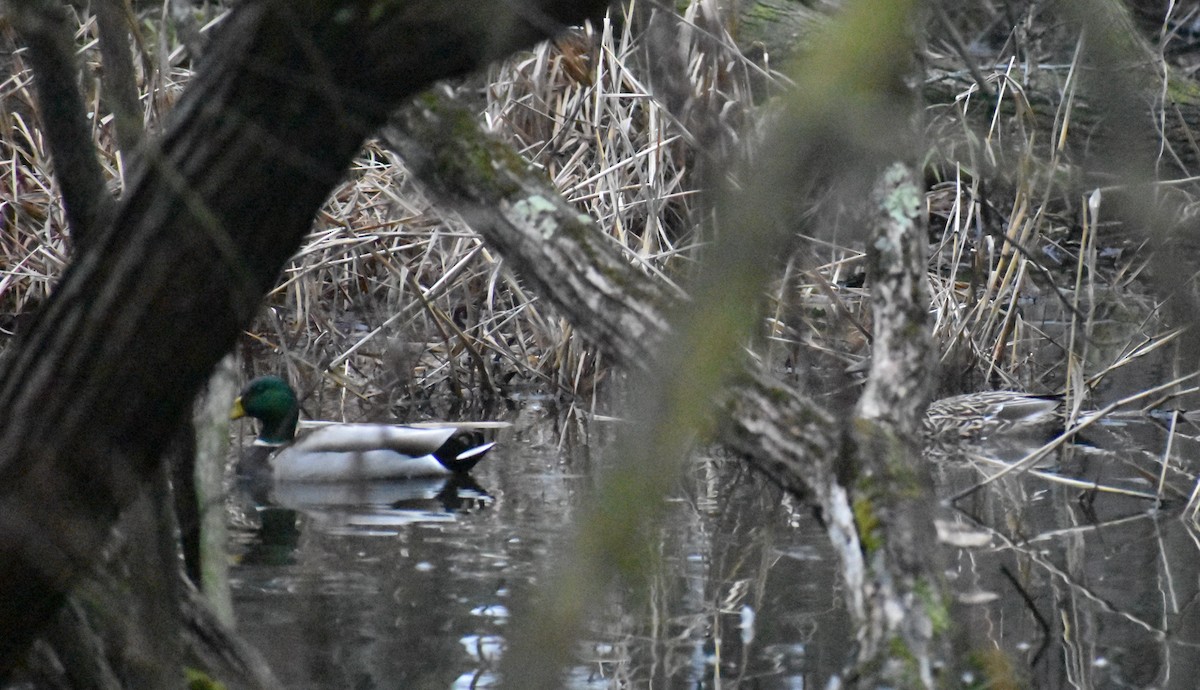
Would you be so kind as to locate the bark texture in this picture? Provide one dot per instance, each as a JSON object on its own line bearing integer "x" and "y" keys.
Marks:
{"x": 893, "y": 495}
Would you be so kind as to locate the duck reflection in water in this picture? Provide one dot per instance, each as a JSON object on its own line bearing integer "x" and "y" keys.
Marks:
{"x": 348, "y": 452}
{"x": 355, "y": 475}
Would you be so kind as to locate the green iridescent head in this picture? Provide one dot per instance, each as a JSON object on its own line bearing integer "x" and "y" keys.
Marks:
{"x": 270, "y": 400}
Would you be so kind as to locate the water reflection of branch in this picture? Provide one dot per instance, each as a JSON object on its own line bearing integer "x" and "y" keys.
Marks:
{"x": 1034, "y": 556}
{"x": 1033, "y": 610}
{"x": 1089, "y": 485}
{"x": 1033, "y": 457}
{"x": 1091, "y": 527}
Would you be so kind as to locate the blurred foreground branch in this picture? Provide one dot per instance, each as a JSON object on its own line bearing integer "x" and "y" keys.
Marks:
{"x": 780, "y": 431}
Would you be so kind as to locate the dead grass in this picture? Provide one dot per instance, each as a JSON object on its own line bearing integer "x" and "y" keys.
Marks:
{"x": 394, "y": 304}
{"x": 33, "y": 245}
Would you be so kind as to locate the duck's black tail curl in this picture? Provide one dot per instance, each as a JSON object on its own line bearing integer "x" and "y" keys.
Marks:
{"x": 462, "y": 451}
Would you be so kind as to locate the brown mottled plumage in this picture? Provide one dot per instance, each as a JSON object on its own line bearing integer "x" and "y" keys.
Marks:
{"x": 976, "y": 415}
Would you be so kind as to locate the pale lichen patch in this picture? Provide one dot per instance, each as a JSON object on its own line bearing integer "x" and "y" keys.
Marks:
{"x": 535, "y": 212}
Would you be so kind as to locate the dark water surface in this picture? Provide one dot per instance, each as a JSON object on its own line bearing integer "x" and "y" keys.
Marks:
{"x": 415, "y": 585}
{"x": 1084, "y": 588}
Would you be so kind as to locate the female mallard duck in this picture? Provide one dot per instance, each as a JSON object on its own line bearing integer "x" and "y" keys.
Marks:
{"x": 977, "y": 415}
{"x": 345, "y": 452}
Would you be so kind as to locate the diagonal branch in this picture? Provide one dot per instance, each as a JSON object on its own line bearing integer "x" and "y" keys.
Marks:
{"x": 43, "y": 27}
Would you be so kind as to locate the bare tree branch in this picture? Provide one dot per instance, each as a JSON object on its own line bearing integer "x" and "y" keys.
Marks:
{"x": 43, "y": 27}
{"x": 113, "y": 17}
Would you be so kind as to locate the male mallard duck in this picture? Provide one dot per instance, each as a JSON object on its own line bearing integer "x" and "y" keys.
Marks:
{"x": 975, "y": 415}
{"x": 345, "y": 452}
